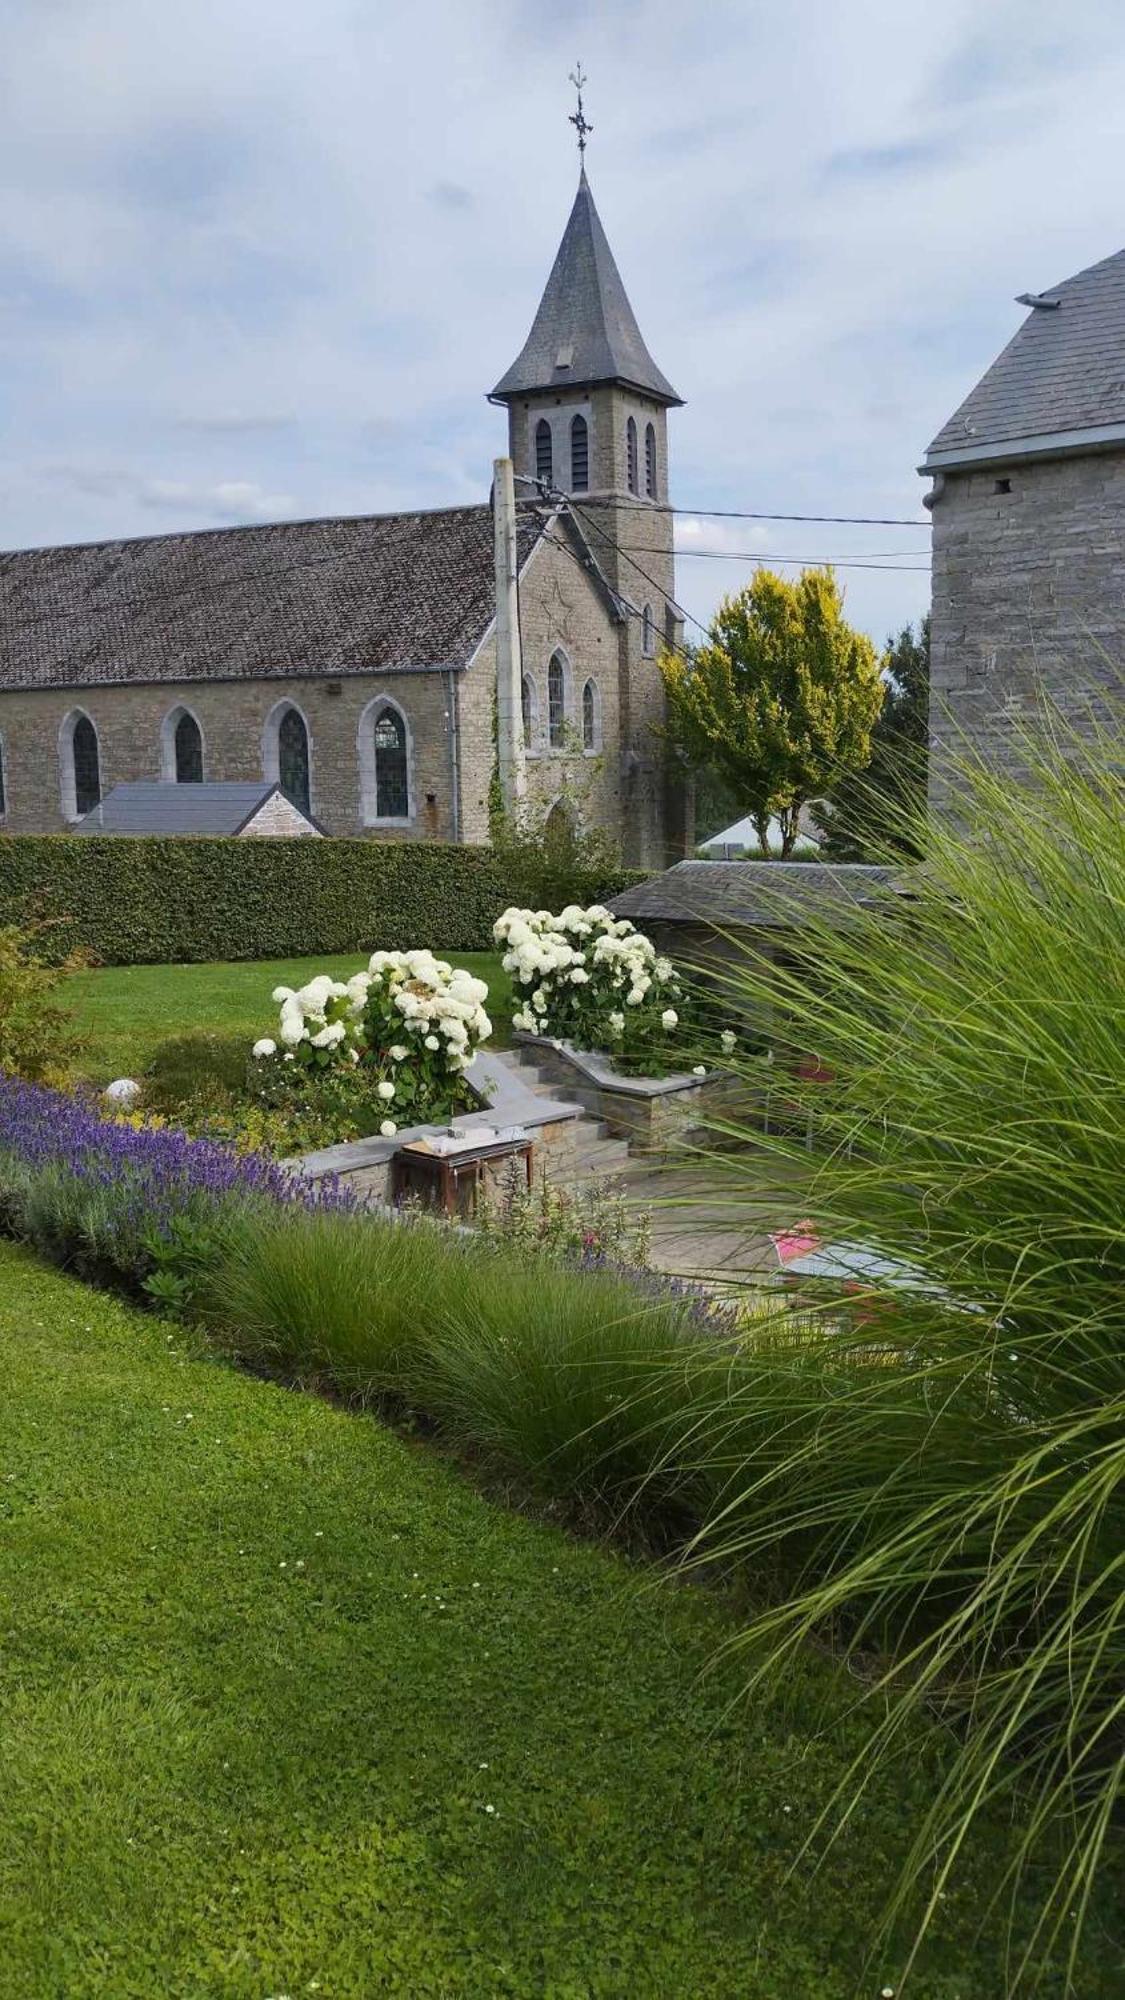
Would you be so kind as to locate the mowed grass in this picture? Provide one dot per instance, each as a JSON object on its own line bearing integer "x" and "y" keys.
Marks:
{"x": 287, "y": 1707}
{"x": 124, "y": 1012}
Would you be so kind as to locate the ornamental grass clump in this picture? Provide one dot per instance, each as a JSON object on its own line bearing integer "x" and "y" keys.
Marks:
{"x": 592, "y": 979}
{"x": 400, "y": 1035}
{"x": 938, "y": 1487}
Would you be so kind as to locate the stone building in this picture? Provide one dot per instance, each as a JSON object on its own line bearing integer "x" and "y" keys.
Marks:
{"x": 354, "y": 660}
{"x": 1028, "y": 504}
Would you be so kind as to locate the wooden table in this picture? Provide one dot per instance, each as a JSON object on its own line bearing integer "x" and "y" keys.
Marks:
{"x": 449, "y": 1180}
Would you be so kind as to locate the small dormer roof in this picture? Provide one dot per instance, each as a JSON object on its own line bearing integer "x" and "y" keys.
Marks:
{"x": 585, "y": 330}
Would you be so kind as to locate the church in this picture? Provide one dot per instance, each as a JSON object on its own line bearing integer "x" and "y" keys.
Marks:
{"x": 355, "y": 661}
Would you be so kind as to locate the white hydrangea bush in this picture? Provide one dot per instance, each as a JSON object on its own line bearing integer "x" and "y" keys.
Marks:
{"x": 587, "y": 977}
{"x": 404, "y": 1031}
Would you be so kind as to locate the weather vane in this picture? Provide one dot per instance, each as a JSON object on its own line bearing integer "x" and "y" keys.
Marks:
{"x": 578, "y": 118}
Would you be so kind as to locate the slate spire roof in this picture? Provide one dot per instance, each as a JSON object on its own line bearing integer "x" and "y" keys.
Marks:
{"x": 585, "y": 330}
{"x": 1061, "y": 376}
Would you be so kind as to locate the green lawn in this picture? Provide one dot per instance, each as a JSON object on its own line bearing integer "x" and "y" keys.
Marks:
{"x": 125, "y": 1011}
{"x": 287, "y": 1708}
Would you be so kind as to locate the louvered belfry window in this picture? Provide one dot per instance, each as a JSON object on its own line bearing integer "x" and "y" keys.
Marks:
{"x": 544, "y": 455}
{"x": 579, "y": 455}
{"x": 556, "y": 702}
{"x": 631, "y": 455}
{"x": 392, "y": 790}
{"x": 293, "y": 758}
{"x": 650, "y": 461}
{"x": 189, "y": 752}
{"x": 87, "y": 770}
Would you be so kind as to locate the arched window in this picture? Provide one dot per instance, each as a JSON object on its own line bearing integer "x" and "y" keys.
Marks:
{"x": 556, "y": 702}
{"x": 181, "y": 748}
{"x": 544, "y": 454}
{"x": 529, "y": 707}
{"x": 589, "y": 716}
{"x": 579, "y": 455}
{"x": 648, "y": 645}
{"x": 386, "y": 764}
{"x": 188, "y": 747}
{"x": 3, "y": 790}
{"x": 650, "y": 461}
{"x": 79, "y": 765}
{"x": 392, "y": 787}
{"x": 293, "y": 758}
{"x": 631, "y": 455}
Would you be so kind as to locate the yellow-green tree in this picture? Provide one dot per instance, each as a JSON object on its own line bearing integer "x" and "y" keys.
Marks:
{"x": 781, "y": 699}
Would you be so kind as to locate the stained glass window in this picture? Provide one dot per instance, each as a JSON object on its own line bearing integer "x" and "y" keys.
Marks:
{"x": 293, "y": 758}
{"x": 556, "y": 702}
{"x": 392, "y": 795}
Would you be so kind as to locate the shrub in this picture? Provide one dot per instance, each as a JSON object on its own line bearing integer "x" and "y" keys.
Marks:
{"x": 593, "y": 979}
{"x": 398, "y": 1037}
{"x": 945, "y": 1486}
{"x": 36, "y": 1035}
{"x": 172, "y": 901}
{"x": 197, "y": 1069}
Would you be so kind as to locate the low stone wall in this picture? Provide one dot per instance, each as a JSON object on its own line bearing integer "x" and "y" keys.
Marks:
{"x": 364, "y": 1165}
{"x": 655, "y": 1114}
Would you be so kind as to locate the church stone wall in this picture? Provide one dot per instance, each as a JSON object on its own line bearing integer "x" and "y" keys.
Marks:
{"x": 232, "y": 716}
{"x": 1028, "y": 591}
{"x": 562, "y": 610}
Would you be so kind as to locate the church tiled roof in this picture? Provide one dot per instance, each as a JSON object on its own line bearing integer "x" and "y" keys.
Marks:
{"x": 585, "y": 330}
{"x": 333, "y": 597}
{"x": 1062, "y": 373}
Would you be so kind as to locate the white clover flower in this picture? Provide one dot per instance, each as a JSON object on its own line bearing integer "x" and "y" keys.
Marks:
{"x": 669, "y": 1018}
{"x": 388, "y": 1128}
{"x": 264, "y": 1048}
{"x": 386, "y": 1091}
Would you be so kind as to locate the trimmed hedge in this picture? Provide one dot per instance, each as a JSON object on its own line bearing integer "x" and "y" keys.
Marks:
{"x": 174, "y": 901}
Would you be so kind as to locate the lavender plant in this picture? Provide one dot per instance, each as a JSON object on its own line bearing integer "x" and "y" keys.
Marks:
{"x": 111, "y": 1198}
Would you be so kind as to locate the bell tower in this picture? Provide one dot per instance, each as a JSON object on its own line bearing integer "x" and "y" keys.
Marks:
{"x": 588, "y": 419}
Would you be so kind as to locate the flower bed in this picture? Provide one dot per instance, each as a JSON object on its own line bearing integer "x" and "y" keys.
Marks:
{"x": 593, "y": 980}
{"x": 141, "y": 1207}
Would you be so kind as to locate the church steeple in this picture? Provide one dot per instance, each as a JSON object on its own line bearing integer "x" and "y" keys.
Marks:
{"x": 585, "y": 331}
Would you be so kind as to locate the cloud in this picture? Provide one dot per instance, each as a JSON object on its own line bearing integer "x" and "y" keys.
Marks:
{"x": 450, "y": 194}
{"x": 259, "y": 258}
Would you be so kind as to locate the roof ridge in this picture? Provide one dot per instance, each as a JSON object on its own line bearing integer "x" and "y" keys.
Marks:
{"x": 246, "y": 528}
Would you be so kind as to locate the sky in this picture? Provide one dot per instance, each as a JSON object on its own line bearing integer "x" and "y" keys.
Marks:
{"x": 263, "y": 259}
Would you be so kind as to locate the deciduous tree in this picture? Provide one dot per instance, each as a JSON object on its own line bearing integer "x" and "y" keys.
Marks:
{"x": 781, "y": 698}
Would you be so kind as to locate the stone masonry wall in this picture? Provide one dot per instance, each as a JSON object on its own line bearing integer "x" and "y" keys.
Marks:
{"x": 563, "y": 610}
{"x": 1028, "y": 589}
{"x": 232, "y": 716}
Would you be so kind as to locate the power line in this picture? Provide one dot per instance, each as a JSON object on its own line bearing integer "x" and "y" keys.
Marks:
{"x": 746, "y": 514}
{"x": 815, "y": 562}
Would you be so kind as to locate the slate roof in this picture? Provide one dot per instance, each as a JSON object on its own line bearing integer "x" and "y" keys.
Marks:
{"x": 584, "y": 316}
{"x": 765, "y": 895}
{"x": 1063, "y": 371}
{"x": 355, "y": 594}
{"x": 147, "y": 807}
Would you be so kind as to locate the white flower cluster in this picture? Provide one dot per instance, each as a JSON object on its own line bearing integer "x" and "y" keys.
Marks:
{"x": 413, "y": 1019}
{"x": 582, "y": 968}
